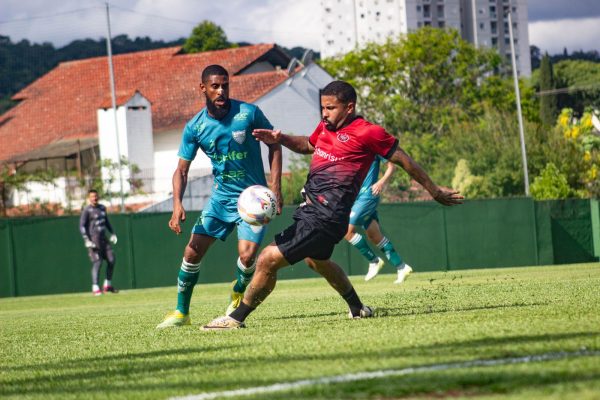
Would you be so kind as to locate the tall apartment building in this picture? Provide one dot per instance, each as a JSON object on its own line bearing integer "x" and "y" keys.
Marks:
{"x": 348, "y": 24}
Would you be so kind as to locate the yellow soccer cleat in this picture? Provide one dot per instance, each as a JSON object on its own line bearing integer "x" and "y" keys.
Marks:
{"x": 175, "y": 319}
{"x": 236, "y": 300}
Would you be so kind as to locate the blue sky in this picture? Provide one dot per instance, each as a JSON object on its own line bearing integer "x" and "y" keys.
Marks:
{"x": 554, "y": 24}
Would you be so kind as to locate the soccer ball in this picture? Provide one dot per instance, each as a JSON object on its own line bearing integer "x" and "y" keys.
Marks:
{"x": 257, "y": 205}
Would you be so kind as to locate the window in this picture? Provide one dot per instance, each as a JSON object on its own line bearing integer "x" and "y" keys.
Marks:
{"x": 494, "y": 41}
{"x": 481, "y": 26}
{"x": 419, "y": 8}
{"x": 427, "y": 23}
{"x": 442, "y": 24}
{"x": 440, "y": 11}
{"x": 426, "y": 11}
{"x": 494, "y": 27}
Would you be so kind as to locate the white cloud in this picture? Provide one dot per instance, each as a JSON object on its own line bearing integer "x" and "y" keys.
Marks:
{"x": 288, "y": 23}
{"x": 574, "y": 34}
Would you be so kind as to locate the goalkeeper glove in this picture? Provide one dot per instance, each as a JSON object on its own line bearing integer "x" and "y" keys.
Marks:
{"x": 89, "y": 244}
{"x": 113, "y": 239}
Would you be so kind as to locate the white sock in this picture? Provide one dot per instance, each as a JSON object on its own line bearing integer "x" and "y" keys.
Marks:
{"x": 107, "y": 282}
{"x": 244, "y": 269}
{"x": 401, "y": 267}
{"x": 95, "y": 288}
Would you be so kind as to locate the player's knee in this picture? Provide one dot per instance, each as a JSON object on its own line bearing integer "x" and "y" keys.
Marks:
{"x": 247, "y": 257}
{"x": 267, "y": 261}
{"x": 190, "y": 255}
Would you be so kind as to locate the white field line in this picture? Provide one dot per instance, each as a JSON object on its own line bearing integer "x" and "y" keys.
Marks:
{"x": 359, "y": 376}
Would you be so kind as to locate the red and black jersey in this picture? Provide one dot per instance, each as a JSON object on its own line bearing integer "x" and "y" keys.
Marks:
{"x": 339, "y": 165}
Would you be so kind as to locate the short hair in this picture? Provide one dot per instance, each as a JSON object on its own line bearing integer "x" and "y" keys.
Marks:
{"x": 343, "y": 91}
{"x": 214, "y": 69}
{"x": 92, "y": 191}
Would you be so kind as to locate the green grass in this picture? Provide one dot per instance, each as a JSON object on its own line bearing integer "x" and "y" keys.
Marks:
{"x": 77, "y": 346}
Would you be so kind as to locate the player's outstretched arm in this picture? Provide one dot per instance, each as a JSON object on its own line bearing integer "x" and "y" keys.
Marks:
{"x": 179, "y": 184}
{"x": 298, "y": 144}
{"x": 447, "y": 197}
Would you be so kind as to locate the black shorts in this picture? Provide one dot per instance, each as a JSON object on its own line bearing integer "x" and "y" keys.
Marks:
{"x": 303, "y": 239}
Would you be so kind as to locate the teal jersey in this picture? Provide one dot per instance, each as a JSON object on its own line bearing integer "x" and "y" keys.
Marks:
{"x": 233, "y": 151}
{"x": 372, "y": 177}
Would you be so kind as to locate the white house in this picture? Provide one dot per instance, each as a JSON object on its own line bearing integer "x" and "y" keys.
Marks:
{"x": 65, "y": 120}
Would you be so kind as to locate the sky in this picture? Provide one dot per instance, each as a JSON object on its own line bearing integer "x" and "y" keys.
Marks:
{"x": 553, "y": 24}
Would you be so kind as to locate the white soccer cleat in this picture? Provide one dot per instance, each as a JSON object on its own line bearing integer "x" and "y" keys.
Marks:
{"x": 365, "y": 312}
{"x": 224, "y": 323}
{"x": 403, "y": 273}
{"x": 374, "y": 269}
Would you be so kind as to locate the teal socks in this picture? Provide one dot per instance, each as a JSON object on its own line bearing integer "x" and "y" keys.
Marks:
{"x": 244, "y": 276}
{"x": 186, "y": 280}
{"x": 361, "y": 244}
{"x": 388, "y": 249}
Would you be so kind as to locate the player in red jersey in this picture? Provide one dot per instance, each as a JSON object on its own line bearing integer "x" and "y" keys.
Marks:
{"x": 343, "y": 147}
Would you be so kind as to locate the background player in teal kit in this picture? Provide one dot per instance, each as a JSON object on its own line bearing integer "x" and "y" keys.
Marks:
{"x": 223, "y": 131}
{"x": 364, "y": 214}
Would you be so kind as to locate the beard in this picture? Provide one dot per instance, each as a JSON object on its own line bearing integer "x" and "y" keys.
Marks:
{"x": 330, "y": 127}
{"x": 216, "y": 111}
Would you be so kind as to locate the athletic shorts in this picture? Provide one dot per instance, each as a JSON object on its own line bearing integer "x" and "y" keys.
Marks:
{"x": 364, "y": 212}
{"x": 214, "y": 227}
{"x": 303, "y": 239}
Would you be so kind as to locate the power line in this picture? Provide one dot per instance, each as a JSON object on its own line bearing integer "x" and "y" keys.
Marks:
{"x": 194, "y": 22}
{"x": 48, "y": 16}
{"x": 567, "y": 89}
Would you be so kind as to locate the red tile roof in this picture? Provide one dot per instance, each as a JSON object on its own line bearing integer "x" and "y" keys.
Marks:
{"x": 61, "y": 105}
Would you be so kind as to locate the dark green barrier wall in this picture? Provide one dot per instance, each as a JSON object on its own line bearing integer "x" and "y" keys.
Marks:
{"x": 595, "y": 211}
{"x": 46, "y": 255}
{"x": 6, "y": 262}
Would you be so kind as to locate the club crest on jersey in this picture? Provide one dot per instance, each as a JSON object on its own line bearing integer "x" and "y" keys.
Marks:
{"x": 242, "y": 116}
{"x": 342, "y": 137}
{"x": 239, "y": 136}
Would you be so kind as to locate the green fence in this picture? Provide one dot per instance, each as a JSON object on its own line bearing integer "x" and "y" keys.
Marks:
{"x": 46, "y": 255}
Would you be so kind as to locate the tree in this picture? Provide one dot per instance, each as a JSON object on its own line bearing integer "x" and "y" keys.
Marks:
{"x": 422, "y": 85}
{"x": 536, "y": 56}
{"x": 206, "y": 36}
{"x": 548, "y": 110}
{"x": 550, "y": 185}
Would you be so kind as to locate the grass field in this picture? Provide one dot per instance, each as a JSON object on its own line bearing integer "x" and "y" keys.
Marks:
{"x": 77, "y": 346}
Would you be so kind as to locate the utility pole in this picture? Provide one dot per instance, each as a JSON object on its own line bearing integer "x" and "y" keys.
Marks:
{"x": 474, "y": 16}
{"x": 114, "y": 103}
{"x": 518, "y": 96}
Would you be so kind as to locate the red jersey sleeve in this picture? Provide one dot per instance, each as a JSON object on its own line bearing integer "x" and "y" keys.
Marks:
{"x": 380, "y": 142}
{"x": 315, "y": 135}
